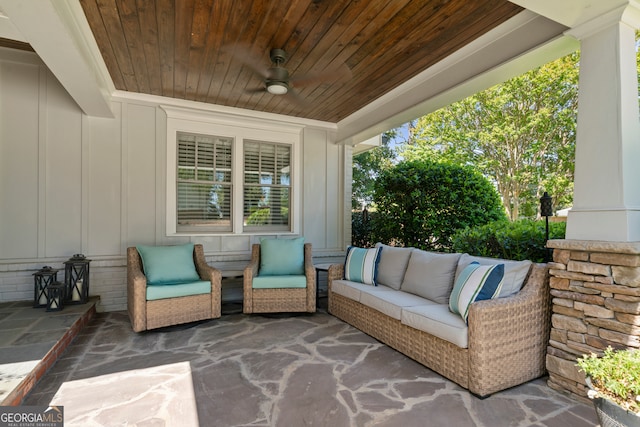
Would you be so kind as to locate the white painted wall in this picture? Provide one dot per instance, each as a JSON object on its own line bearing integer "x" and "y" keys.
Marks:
{"x": 71, "y": 184}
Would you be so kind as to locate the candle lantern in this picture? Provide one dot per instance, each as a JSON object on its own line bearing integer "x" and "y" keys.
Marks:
{"x": 76, "y": 277}
{"x": 55, "y": 296}
{"x": 42, "y": 278}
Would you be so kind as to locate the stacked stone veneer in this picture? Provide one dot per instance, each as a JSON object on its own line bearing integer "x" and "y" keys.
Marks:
{"x": 595, "y": 290}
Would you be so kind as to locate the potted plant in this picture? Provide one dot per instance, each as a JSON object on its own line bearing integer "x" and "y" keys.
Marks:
{"x": 614, "y": 382}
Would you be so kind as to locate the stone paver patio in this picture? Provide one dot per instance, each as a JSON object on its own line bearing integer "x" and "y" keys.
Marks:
{"x": 278, "y": 370}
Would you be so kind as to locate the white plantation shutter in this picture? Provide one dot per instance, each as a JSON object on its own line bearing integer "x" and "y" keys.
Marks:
{"x": 204, "y": 186}
{"x": 267, "y": 186}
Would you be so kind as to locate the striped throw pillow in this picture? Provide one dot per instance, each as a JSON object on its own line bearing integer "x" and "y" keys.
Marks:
{"x": 361, "y": 265}
{"x": 475, "y": 283}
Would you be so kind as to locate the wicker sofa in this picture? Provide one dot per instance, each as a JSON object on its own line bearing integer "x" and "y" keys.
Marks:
{"x": 502, "y": 345}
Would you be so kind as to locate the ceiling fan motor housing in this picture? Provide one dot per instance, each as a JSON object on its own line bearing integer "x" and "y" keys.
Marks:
{"x": 278, "y": 80}
{"x": 278, "y": 56}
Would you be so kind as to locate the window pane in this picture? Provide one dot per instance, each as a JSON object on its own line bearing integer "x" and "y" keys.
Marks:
{"x": 186, "y": 159}
{"x": 204, "y": 183}
{"x": 204, "y": 205}
{"x": 267, "y": 185}
{"x": 284, "y": 166}
{"x": 223, "y": 162}
{"x": 205, "y": 153}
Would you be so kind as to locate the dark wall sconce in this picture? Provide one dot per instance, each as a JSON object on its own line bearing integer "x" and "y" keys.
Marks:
{"x": 546, "y": 210}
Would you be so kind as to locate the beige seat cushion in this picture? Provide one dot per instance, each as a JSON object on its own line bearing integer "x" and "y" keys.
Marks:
{"x": 437, "y": 320}
{"x": 349, "y": 289}
{"x": 389, "y": 301}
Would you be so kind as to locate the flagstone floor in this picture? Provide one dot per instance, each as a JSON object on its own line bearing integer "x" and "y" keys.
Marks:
{"x": 272, "y": 370}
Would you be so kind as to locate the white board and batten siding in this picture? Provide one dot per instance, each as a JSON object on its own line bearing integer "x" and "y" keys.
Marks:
{"x": 71, "y": 184}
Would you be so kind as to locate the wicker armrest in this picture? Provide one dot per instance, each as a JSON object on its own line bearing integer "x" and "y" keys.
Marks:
{"x": 310, "y": 274}
{"x": 508, "y": 336}
{"x": 250, "y": 271}
{"x": 213, "y": 275}
{"x": 335, "y": 272}
{"x": 136, "y": 291}
{"x": 205, "y": 271}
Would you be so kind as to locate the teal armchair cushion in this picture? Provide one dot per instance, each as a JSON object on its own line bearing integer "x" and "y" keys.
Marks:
{"x": 281, "y": 257}
{"x": 156, "y": 292}
{"x": 279, "y": 282}
{"x": 168, "y": 264}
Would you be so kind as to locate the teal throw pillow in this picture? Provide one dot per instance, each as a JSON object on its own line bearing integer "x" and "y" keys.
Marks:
{"x": 168, "y": 264}
{"x": 361, "y": 265}
{"x": 475, "y": 283}
{"x": 281, "y": 257}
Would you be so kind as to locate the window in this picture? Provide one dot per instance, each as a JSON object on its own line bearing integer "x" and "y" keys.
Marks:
{"x": 204, "y": 183}
{"x": 267, "y": 185}
{"x": 231, "y": 174}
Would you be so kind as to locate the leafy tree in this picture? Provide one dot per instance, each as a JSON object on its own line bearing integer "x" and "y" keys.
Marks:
{"x": 520, "y": 134}
{"x": 366, "y": 168}
{"x": 422, "y": 203}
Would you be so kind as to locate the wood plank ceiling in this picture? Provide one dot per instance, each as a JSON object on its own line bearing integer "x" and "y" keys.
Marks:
{"x": 209, "y": 50}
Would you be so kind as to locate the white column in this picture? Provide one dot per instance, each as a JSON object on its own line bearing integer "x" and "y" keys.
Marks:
{"x": 607, "y": 171}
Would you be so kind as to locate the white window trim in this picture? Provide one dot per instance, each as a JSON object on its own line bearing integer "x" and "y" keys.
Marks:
{"x": 238, "y": 128}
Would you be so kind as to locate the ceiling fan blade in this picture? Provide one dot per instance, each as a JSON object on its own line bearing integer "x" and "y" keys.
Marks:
{"x": 341, "y": 73}
{"x": 295, "y": 97}
{"x": 255, "y": 90}
{"x": 249, "y": 58}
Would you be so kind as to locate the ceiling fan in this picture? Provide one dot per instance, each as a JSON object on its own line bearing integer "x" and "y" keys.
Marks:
{"x": 277, "y": 80}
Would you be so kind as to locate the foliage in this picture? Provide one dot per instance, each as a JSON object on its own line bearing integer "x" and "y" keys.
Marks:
{"x": 615, "y": 376}
{"x": 361, "y": 230}
{"x": 366, "y": 168}
{"x": 422, "y": 203}
{"x": 518, "y": 240}
{"x": 262, "y": 216}
{"x": 520, "y": 134}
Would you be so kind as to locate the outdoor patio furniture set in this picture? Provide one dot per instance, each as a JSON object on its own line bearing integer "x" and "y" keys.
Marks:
{"x": 482, "y": 323}
{"x": 170, "y": 285}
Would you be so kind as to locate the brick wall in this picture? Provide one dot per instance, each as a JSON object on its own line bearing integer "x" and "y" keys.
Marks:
{"x": 595, "y": 290}
{"x": 108, "y": 279}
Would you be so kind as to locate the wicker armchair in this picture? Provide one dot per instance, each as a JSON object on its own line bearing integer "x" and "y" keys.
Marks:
{"x": 279, "y": 300}
{"x": 158, "y": 313}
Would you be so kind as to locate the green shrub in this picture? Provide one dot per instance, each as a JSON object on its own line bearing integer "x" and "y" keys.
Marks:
{"x": 361, "y": 233}
{"x": 423, "y": 203}
{"x": 615, "y": 375}
{"x": 518, "y": 240}
{"x": 262, "y": 216}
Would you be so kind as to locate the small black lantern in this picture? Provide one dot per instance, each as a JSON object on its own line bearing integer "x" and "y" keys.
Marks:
{"x": 55, "y": 296}
{"x": 76, "y": 278}
{"x": 546, "y": 210}
{"x": 41, "y": 279}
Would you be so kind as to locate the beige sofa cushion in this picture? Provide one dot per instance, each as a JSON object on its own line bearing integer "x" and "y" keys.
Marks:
{"x": 437, "y": 320}
{"x": 389, "y": 301}
{"x": 392, "y": 265}
{"x": 349, "y": 289}
{"x": 430, "y": 275}
{"x": 514, "y": 272}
